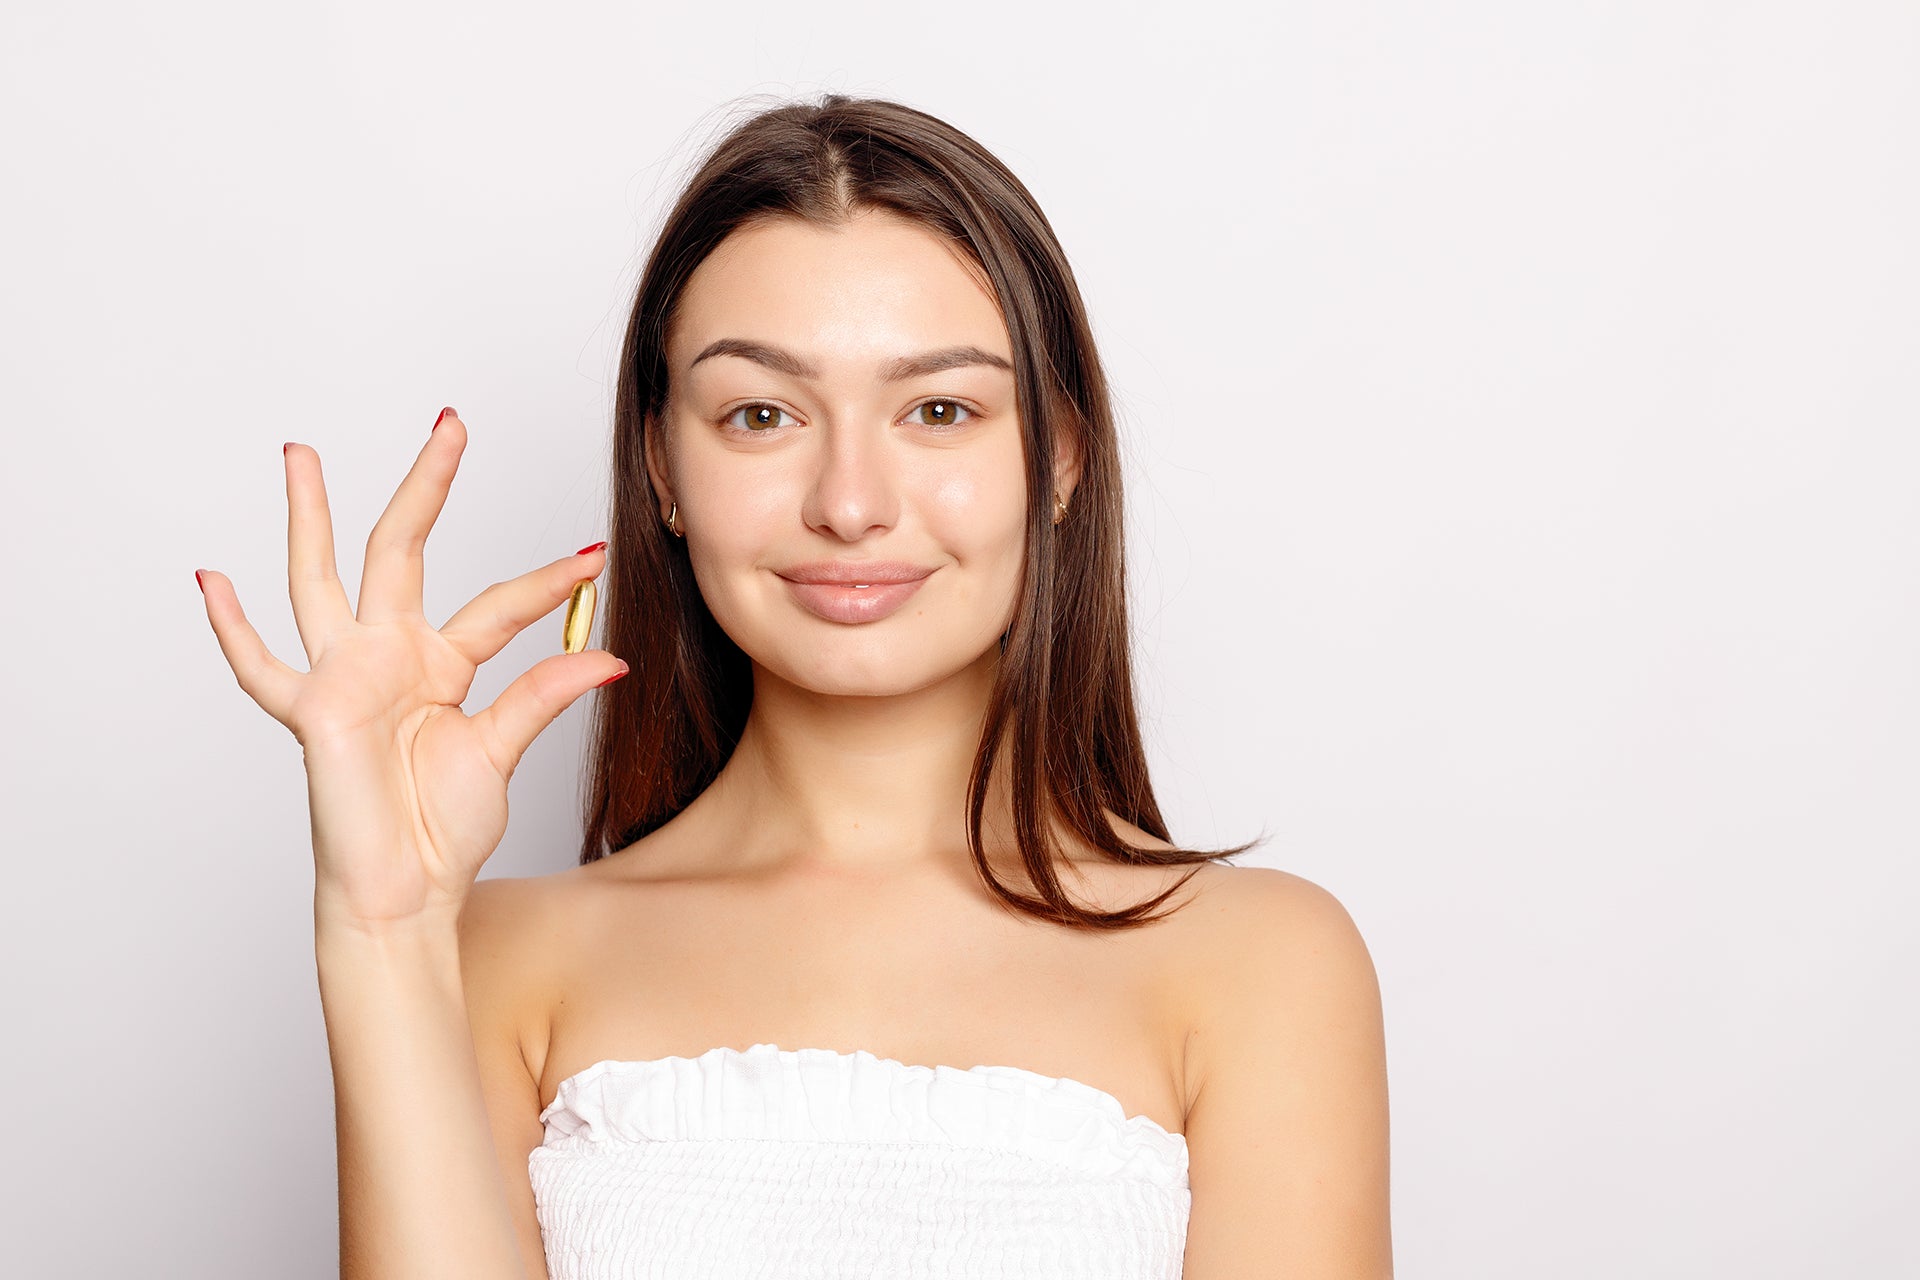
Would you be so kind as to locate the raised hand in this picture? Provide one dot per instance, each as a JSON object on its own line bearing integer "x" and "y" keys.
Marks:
{"x": 406, "y": 792}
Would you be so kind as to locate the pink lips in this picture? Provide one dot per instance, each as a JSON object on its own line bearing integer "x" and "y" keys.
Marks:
{"x": 853, "y": 590}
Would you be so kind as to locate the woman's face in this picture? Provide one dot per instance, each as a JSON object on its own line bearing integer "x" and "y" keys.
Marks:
{"x": 856, "y": 523}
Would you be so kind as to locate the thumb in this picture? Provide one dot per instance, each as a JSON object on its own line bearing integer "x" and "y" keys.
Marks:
{"x": 535, "y": 700}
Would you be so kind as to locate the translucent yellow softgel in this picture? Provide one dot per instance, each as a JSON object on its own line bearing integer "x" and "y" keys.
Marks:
{"x": 579, "y": 616}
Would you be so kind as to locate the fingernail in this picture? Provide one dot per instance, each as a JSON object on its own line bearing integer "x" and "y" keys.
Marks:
{"x": 442, "y": 418}
{"x": 610, "y": 679}
{"x": 198, "y": 583}
{"x": 589, "y": 550}
{"x": 283, "y": 448}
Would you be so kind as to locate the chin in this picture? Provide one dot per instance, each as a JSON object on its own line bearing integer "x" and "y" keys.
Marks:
{"x": 899, "y": 655}
{"x": 865, "y": 667}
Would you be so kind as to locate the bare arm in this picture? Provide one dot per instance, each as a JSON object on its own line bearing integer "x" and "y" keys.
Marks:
{"x": 1288, "y": 1129}
{"x": 505, "y": 932}
{"x": 408, "y": 798}
{"x": 421, "y": 1192}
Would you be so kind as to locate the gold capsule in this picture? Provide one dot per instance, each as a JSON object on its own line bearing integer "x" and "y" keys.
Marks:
{"x": 579, "y": 616}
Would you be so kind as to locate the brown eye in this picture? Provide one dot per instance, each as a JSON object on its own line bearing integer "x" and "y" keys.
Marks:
{"x": 942, "y": 413}
{"x": 759, "y": 417}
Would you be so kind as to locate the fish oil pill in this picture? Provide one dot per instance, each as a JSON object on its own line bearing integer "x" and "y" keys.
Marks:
{"x": 579, "y": 616}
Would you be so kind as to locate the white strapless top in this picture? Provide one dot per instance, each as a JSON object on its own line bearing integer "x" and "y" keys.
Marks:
{"x": 800, "y": 1163}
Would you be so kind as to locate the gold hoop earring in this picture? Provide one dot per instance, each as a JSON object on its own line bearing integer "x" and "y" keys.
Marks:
{"x": 1059, "y": 508}
{"x": 673, "y": 515}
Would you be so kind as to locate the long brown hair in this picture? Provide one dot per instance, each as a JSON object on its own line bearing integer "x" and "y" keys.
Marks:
{"x": 1065, "y": 684}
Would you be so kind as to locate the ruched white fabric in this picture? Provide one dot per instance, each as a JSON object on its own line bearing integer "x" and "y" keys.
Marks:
{"x": 802, "y": 1163}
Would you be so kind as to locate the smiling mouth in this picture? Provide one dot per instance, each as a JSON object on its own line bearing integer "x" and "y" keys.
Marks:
{"x": 849, "y": 602}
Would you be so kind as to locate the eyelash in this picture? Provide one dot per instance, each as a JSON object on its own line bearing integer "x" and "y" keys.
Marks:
{"x": 972, "y": 413}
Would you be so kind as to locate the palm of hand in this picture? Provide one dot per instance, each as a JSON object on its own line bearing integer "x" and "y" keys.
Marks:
{"x": 407, "y": 792}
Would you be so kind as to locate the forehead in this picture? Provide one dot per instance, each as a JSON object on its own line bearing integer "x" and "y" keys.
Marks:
{"x": 850, "y": 296}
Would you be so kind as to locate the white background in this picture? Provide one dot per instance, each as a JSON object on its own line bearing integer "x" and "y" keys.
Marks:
{"x": 1519, "y": 402}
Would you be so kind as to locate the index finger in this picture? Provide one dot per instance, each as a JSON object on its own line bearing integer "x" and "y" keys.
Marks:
{"x": 390, "y": 585}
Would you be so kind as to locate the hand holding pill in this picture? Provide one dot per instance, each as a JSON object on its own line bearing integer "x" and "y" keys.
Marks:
{"x": 407, "y": 792}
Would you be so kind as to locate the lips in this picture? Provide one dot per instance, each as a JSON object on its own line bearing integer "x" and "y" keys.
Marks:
{"x": 849, "y": 572}
{"x": 853, "y": 591}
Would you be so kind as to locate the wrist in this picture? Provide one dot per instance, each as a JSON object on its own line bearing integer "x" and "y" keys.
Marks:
{"x": 428, "y": 932}
{"x": 335, "y": 912}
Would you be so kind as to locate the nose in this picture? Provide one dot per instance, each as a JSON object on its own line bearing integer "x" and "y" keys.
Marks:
{"x": 854, "y": 488}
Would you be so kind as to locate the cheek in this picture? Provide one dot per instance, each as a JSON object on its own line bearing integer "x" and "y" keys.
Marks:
{"x": 737, "y": 499}
{"x": 976, "y": 509}
{"x": 734, "y": 517}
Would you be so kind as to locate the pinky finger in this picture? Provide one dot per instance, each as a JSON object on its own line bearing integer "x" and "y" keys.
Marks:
{"x": 267, "y": 680}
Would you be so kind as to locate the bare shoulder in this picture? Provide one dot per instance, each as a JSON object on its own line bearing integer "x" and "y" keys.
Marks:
{"x": 512, "y": 933}
{"x": 1266, "y": 908}
{"x": 1287, "y": 1083}
{"x": 506, "y": 969}
{"x": 1242, "y": 906}
{"x": 509, "y": 913}
{"x": 1271, "y": 941}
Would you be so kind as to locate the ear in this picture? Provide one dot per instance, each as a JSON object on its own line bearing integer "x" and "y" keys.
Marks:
{"x": 657, "y": 452}
{"x": 1066, "y": 453}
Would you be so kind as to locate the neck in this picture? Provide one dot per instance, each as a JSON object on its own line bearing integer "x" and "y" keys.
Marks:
{"x": 858, "y": 784}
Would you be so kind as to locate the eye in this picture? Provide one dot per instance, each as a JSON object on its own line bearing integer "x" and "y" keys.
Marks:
{"x": 945, "y": 413}
{"x": 937, "y": 414}
{"x": 760, "y": 417}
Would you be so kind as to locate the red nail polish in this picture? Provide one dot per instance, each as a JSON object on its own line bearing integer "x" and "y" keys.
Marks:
{"x": 283, "y": 448}
{"x": 589, "y": 550}
{"x": 442, "y": 418}
{"x": 198, "y": 583}
{"x": 610, "y": 679}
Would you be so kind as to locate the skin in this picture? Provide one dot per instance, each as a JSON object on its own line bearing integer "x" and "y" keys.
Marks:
{"x": 861, "y": 738}
{"x": 820, "y": 893}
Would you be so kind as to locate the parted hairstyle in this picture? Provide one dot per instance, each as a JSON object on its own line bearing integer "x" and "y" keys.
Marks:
{"x": 1064, "y": 684}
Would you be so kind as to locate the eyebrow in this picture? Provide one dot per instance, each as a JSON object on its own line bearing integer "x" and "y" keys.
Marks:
{"x": 897, "y": 370}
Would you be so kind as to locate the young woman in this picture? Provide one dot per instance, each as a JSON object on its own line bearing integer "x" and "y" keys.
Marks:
{"x": 878, "y": 960}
